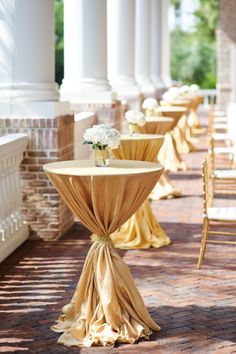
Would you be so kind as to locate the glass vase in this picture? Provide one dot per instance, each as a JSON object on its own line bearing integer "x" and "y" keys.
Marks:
{"x": 101, "y": 158}
{"x": 133, "y": 129}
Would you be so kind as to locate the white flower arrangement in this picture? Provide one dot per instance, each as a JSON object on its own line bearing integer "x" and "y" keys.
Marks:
{"x": 183, "y": 90}
{"x": 174, "y": 91}
{"x": 195, "y": 90}
{"x": 135, "y": 117}
{"x": 102, "y": 137}
{"x": 150, "y": 103}
{"x": 168, "y": 96}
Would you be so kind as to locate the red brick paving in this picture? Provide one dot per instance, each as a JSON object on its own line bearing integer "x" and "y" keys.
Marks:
{"x": 196, "y": 309}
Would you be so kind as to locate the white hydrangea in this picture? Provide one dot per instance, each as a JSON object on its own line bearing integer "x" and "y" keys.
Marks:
{"x": 135, "y": 117}
{"x": 184, "y": 89}
{"x": 194, "y": 89}
{"x": 102, "y": 136}
{"x": 174, "y": 91}
{"x": 150, "y": 103}
{"x": 168, "y": 96}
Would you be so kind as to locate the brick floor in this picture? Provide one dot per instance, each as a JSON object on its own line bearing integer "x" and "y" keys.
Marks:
{"x": 196, "y": 309}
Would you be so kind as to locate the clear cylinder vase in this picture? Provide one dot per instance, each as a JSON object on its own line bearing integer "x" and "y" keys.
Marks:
{"x": 133, "y": 129}
{"x": 101, "y": 158}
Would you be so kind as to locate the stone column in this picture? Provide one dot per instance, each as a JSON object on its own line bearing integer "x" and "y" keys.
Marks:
{"x": 121, "y": 40}
{"x": 143, "y": 48}
{"x": 226, "y": 40}
{"x": 165, "y": 43}
{"x": 156, "y": 46}
{"x": 85, "y": 52}
{"x": 233, "y": 72}
{"x": 28, "y": 100}
{"x": 85, "y": 83}
{"x": 26, "y": 52}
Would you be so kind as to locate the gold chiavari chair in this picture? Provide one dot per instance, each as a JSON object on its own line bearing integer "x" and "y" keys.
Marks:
{"x": 223, "y": 138}
{"x": 223, "y": 180}
{"x": 213, "y": 217}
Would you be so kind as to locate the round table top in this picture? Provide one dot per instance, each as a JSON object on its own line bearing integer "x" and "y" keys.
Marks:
{"x": 87, "y": 168}
{"x": 137, "y": 137}
{"x": 158, "y": 119}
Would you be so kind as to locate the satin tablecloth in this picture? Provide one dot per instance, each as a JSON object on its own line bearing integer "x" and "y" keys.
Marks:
{"x": 163, "y": 125}
{"x": 183, "y": 132}
{"x": 193, "y": 119}
{"x": 142, "y": 230}
{"x": 106, "y": 306}
{"x": 178, "y": 135}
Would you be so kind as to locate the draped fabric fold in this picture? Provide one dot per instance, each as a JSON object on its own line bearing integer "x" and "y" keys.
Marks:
{"x": 182, "y": 133}
{"x": 169, "y": 155}
{"x": 142, "y": 230}
{"x": 164, "y": 189}
{"x": 194, "y": 120}
{"x": 106, "y": 306}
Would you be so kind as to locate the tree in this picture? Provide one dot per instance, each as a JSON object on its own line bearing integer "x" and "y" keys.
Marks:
{"x": 59, "y": 45}
{"x": 193, "y": 54}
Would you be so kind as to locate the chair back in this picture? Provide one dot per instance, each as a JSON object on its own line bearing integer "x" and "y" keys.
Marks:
{"x": 206, "y": 184}
{"x": 211, "y": 123}
{"x": 211, "y": 157}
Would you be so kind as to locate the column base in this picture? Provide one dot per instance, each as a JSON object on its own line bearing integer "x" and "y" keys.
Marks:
{"x": 25, "y": 91}
{"x": 94, "y": 90}
{"x": 107, "y": 112}
{"x": 24, "y": 109}
{"x": 146, "y": 87}
{"x": 127, "y": 92}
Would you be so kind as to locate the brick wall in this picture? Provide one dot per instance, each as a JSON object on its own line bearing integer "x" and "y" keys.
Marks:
{"x": 50, "y": 139}
{"x": 107, "y": 113}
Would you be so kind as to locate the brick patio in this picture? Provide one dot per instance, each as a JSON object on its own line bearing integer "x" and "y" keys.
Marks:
{"x": 196, "y": 309}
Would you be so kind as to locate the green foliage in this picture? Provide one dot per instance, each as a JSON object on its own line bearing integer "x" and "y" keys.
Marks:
{"x": 193, "y": 54}
{"x": 207, "y": 18}
{"x": 59, "y": 45}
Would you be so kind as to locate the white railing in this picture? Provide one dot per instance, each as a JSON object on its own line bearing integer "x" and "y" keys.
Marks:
{"x": 12, "y": 229}
{"x": 82, "y": 121}
{"x": 209, "y": 96}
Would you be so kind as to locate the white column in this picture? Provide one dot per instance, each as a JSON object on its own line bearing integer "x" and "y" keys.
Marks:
{"x": 233, "y": 72}
{"x": 121, "y": 37}
{"x": 165, "y": 43}
{"x": 143, "y": 47}
{"x": 27, "y": 51}
{"x": 156, "y": 44}
{"x": 85, "y": 51}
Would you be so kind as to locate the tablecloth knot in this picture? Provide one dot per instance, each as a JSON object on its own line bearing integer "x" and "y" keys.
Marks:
{"x": 100, "y": 238}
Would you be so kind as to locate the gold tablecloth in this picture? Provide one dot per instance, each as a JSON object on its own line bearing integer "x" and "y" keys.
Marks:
{"x": 169, "y": 155}
{"x": 106, "y": 306}
{"x": 193, "y": 119}
{"x": 183, "y": 133}
{"x": 142, "y": 230}
{"x": 163, "y": 125}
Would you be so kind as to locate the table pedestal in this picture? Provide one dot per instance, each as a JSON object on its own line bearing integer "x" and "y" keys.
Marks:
{"x": 194, "y": 120}
{"x": 164, "y": 189}
{"x": 182, "y": 136}
{"x": 141, "y": 231}
{"x": 169, "y": 155}
{"x": 106, "y": 306}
